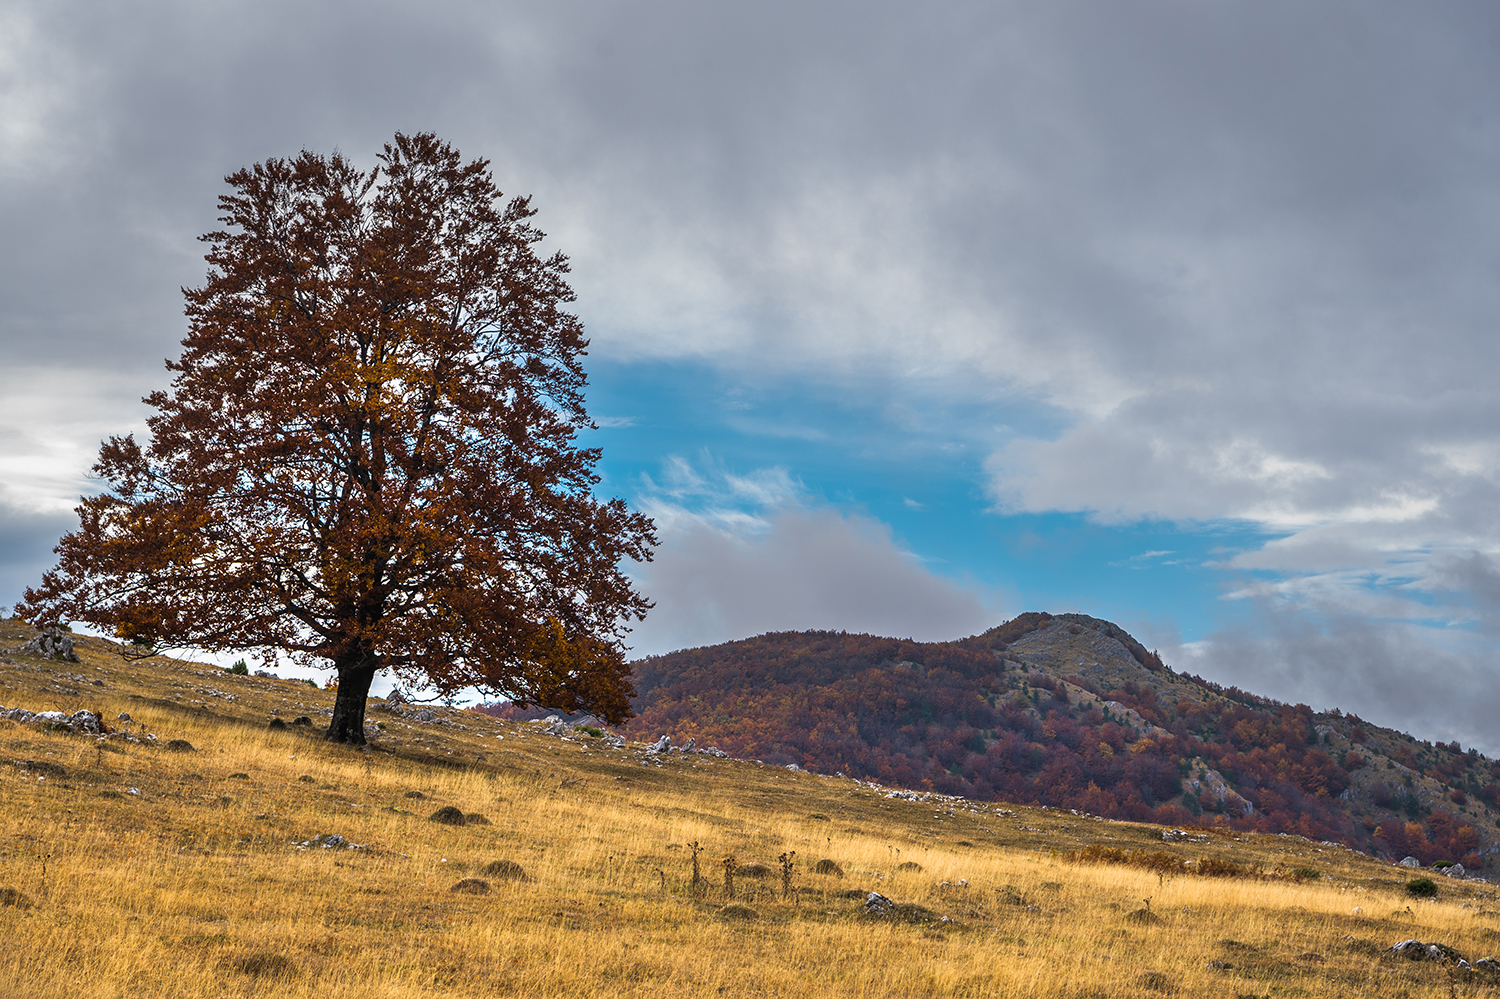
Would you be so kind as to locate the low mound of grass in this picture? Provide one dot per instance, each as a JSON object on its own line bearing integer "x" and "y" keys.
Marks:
{"x": 505, "y": 870}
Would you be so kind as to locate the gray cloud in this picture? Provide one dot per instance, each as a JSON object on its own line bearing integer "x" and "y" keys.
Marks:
{"x": 805, "y": 569}
{"x": 1400, "y": 674}
{"x": 26, "y": 542}
{"x": 1248, "y": 252}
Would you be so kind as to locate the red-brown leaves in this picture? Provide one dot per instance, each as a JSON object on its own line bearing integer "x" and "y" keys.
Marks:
{"x": 367, "y": 452}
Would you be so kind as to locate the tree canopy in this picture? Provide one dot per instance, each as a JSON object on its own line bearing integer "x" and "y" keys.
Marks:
{"x": 368, "y": 456}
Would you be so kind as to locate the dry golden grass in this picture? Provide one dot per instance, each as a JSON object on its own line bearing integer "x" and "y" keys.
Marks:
{"x": 195, "y": 887}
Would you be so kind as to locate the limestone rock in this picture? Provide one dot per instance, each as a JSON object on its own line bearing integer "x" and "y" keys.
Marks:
{"x": 86, "y": 721}
{"x": 1410, "y": 862}
{"x": 52, "y": 643}
{"x": 328, "y": 841}
{"x": 1416, "y": 950}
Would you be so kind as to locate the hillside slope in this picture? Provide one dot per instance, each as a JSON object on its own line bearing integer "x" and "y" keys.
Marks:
{"x": 1071, "y": 711}
{"x": 212, "y": 846}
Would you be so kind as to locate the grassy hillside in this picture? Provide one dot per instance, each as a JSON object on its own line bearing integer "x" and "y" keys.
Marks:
{"x": 131, "y": 869}
{"x": 1072, "y": 712}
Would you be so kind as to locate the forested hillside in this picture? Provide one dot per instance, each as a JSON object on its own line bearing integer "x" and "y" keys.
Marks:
{"x": 1072, "y": 712}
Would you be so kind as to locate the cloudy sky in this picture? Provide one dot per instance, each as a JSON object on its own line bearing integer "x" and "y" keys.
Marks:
{"x": 905, "y": 318}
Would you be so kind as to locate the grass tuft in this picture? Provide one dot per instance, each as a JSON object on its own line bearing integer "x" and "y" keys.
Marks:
{"x": 505, "y": 870}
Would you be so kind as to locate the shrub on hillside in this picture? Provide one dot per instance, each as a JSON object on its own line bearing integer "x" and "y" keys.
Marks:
{"x": 1422, "y": 888}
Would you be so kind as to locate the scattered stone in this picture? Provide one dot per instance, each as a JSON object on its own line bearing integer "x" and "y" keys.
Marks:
{"x": 180, "y": 746}
{"x": 1456, "y": 871}
{"x": 472, "y": 886}
{"x": 52, "y": 643}
{"x": 123, "y": 716}
{"x": 505, "y": 870}
{"x": 302, "y": 721}
{"x": 829, "y": 867}
{"x": 736, "y": 910}
{"x": 328, "y": 841}
{"x": 1416, "y": 950}
{"x": 276, "y": 725}
{"x": 87, "y": 721}
{"x": 1220, "y": 966}
{"x": 1410, "y": 862}
{"x": 415, "y": 794}
{"x": 909, "y": 865}
{"x": 878, "y": 905}
{"x": 13, "y": 897}
{"x": 241, "y": 776}
{"x": 662, "y": 745}
{"x": 1183, "y": 836}
{"x": 1488, "y": 965}
{"x": 307, "y": 778}
{"x": 396, "y": 703}
{"x": 448, "y": 815}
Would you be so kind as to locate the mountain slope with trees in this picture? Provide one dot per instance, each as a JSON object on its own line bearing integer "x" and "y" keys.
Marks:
{"x": 1071, "y": 711}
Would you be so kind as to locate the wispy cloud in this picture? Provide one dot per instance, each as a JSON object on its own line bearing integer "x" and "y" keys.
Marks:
{"x": 615, "y": 422}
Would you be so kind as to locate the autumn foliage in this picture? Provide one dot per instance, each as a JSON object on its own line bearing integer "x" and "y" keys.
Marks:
{"x": 367, "y": 457}
{"x": 964, "y": 718}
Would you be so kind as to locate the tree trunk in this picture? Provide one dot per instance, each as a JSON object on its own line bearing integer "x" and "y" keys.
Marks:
{"x": 348, "y": 724}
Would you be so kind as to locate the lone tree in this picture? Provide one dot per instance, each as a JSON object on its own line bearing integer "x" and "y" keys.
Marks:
{"x": 367, "y": 458}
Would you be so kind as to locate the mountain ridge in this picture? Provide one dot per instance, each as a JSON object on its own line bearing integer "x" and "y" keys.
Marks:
{"x": 1072, "y": 711}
